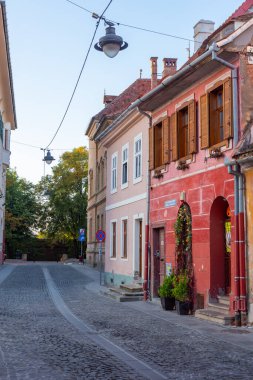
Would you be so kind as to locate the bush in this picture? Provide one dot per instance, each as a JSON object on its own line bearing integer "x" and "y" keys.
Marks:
{"x": 181, "y": 290}
{"x": 166, "y": 289}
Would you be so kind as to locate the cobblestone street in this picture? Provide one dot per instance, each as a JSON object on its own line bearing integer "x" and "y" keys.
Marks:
{"x": 56, "y": 325}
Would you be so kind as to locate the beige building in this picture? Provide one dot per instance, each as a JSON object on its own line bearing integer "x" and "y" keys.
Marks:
{"x": 7, "y": 116}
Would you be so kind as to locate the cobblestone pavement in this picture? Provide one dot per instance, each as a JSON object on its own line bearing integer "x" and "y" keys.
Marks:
{"x": 52, "y": 326}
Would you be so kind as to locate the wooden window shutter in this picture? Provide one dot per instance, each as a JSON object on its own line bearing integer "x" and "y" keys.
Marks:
{"x": 192, "y": 127}
{"x": 151, "y": 148}
{"x": 204, "y": 121}
{"x": 173, "y": 127}
{"x": 227, "y": 109}
{"x": 166, "y": 151}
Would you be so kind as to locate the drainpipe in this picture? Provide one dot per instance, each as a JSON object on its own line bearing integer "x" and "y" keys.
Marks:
{"x": 234, "y": 169}
{"x": 147, "y": 258}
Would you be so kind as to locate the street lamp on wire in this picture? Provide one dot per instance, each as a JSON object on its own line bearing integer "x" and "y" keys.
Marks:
{"x": 110, "y": 44}
{"x": 48, "y": 158}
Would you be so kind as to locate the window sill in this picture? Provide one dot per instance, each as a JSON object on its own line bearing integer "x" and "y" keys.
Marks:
{"x": 113, "y": 258}
{"x": 137, "y": 180}
{"x": 124, "y": 186}
{"x": 113, "y": 191}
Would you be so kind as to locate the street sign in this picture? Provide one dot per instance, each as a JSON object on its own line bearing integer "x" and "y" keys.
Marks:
{"x": 81, "y": 238}
{"x": 82, "y": 232}
{"x": 100, "y": 235}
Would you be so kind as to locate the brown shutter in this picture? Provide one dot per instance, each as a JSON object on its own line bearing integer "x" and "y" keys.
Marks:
{"x": 151, "y": 148}
{"x": 227, "y": 109}
{"x": 166, "y": 152}
{"x": 192, "y": 127}
{"x": 173, "y": 127}
{"x": 204, "y": 121}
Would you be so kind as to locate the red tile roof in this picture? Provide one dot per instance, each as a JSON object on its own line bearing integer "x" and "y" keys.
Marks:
{"x": 135, "y": 91}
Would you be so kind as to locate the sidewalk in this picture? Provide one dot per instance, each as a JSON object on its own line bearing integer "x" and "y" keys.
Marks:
{"x": 240, "y": 336}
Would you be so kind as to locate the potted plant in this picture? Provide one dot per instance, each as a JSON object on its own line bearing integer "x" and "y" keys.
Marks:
{"x": 165, "y": 292}
{"x": 181, "y": 292}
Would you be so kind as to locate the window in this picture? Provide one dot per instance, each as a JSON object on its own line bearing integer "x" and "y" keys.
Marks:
{"x": 114, "y": 173}
{"x": 113, "y": 239}
{"x": 159, "y": 153}
{"x": 183, "y": 131}
{"x": 91, "y": 181}
{"x": 97, "y": 227}
{"x": 137, "y": 158}
{"x": 98, "y": 177}
{"x": 124, "y": 238}
{"x": 102, "y": 222}
{"x": 90, "y": 229}
{"x": 216, "y": 115}
{"x": 124, "y": 166}
{"x": 102, "y": 168}
{"x": 158, "y": 137}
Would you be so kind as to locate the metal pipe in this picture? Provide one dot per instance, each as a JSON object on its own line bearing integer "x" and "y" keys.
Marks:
{"x": 146, "y": 283}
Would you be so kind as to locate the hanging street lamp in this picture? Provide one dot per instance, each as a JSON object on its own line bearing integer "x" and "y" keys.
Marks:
{"x": 110, "y": 44}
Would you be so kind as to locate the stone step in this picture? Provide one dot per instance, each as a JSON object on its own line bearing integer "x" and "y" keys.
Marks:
{"x": 214, "y": 316}
{"x": 223, "y": 300}
{"x": 133, "y": 288}
{"x": 218, "y": 307}
{"x": 121, "y": 296}
{"x": 126, "y": 293}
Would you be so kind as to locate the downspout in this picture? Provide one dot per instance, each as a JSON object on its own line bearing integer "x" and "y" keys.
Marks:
{"x": 239, "y": 303}
{"x": 147, "y": 258}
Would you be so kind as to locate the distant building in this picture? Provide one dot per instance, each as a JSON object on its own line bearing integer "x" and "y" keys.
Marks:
{"x": 7, "y": 116}
{"x": 100, "y": 167}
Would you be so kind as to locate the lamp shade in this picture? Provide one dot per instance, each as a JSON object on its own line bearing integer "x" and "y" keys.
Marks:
{"x": 48, "y": 158}
{"x": 111, "y": 44}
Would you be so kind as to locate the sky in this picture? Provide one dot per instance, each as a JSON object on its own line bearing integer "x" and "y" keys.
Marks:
{"x": 49, "y": 40}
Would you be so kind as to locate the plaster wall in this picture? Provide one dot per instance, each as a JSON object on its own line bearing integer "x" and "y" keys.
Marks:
{"x": 249, "y": 221}
{"x": 129, "y": 202}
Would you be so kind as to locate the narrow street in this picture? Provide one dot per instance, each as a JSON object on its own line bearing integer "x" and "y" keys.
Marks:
{"x": 55, "y": 324}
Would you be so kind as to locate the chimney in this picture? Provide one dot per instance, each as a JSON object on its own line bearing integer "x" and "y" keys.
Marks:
{"x": 202, "y": 30}
{"x": 169, "y": 66}
{"x": 108, "y": 99}
{"x": 153, "y": 61}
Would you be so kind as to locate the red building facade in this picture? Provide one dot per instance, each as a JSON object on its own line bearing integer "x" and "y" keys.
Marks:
{"x": 196, "y": 124}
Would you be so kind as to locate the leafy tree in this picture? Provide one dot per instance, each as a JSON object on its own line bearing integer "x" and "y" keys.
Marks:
{"x": 22, "y": 209}
{"x": 64, "y": 195}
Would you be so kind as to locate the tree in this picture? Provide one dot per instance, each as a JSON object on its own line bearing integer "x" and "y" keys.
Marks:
{"x": 64, "y": 195}
{"x": 22, "y": 209}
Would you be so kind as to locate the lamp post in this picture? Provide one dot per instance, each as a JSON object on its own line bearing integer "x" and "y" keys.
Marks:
{"x": 110, "y": 44}
{"x": 48, "y": 158}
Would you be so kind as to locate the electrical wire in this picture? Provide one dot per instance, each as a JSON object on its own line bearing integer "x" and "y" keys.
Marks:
{"x": 79, "y": 77}
{"x": 135, "y": 27}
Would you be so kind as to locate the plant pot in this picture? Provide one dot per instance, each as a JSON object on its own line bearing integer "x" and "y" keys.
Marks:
{"x": 168, "y": 303}
{"x": 183, "y": 307}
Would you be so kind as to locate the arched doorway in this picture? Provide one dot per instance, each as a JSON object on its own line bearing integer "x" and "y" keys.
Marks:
{"x": 220, "y": 247}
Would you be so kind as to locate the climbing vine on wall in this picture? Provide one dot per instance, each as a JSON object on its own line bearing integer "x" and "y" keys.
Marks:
{"x": 183, "y": 234}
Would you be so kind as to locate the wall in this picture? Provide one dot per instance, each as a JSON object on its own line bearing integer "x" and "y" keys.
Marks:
{"x": 249, "y": 221}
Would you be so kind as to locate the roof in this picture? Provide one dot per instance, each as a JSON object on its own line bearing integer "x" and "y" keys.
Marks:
{"x": 135, "y": 91}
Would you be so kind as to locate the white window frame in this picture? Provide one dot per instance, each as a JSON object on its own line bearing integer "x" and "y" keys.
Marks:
{"x": 122, "y": 238}
{"x": 111, "y": 239}
{"x": 139, "y": 178}
{"x": 114, "y": 170}
{"x": 124, "y": 161}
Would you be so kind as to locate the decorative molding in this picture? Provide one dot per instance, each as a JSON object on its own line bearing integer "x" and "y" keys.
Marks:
{"x": 127, "y": 201}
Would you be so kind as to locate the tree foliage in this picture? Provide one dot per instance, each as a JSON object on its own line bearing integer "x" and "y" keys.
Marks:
{"x": 22, "y": 207}
{"x": 64, "y": 197}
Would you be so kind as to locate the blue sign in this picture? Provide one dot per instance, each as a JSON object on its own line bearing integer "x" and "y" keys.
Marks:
{"x": 100, "y": 235}
{"x": 170, "y": 203}
{"x": 81, "y": 238}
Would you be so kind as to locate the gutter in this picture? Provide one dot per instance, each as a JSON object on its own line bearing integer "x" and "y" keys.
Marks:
{"x": 147, "y": 258}
{"x": 165, "y": 83}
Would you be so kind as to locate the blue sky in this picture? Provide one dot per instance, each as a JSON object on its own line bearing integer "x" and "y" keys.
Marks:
{"x": 49, "y": 40}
